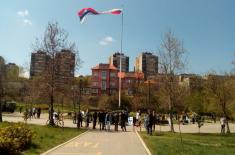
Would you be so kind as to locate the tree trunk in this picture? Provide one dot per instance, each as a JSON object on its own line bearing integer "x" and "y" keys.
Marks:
{"x": 0, "y": 109}
{"x": 171, "y": 121}
{"x": 51, "y": 110}
{"x": 227, "y": 124}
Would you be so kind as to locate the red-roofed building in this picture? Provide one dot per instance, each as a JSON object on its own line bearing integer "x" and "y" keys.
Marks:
{"x": 104, "y": 79}
{"x": 129, "y": 79}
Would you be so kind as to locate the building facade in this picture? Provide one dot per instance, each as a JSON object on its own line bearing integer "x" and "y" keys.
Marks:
{"x": 147, "y": 63}
{"x": 39, "y": 63}
{"x": 115, "y": 61}
{"x": 104, "y": 79}
{"x": 65, "y": 65}
{"x": 130, "y": 81}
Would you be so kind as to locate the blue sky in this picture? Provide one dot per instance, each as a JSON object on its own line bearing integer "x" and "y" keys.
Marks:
{"x": 207, "y": 28}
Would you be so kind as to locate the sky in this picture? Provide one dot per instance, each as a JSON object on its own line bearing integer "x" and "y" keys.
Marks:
{"x": 206, "y": 28}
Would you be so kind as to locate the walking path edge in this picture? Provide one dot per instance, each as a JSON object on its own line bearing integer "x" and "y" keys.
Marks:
{"x": 58, "y": 146}
{"x": 143, "y": 143}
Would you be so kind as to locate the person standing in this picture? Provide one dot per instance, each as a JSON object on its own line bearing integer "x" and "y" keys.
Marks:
{"x": 150, "y": 122}
{"x": 123, "y": 121}
{"x": 87, "y": 118}
{"x": 116, "y": 120}
{"x": 154, "y": 120}
{"x": 108, "y": 119}
{"x": 94, "y": 120}
{"x": 38, "y": 112}
{"x": 222, "y": 122}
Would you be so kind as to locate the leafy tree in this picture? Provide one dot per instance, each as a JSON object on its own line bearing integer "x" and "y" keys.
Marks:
{"x": 220, "y": 90}
{"x": 171, "y": 62}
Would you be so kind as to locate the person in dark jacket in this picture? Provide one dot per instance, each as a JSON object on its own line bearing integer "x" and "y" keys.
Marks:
{"x": 116, "y": 120}
{"x": 94, "y": 120}
{"x": 123, "y": 121}
{"x": 150, "y": 122}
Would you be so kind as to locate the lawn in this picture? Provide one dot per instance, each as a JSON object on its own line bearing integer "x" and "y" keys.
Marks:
{"x": 206, "y": 144}
{"x": 48, "y": 137}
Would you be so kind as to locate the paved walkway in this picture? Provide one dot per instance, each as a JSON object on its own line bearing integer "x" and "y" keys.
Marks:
{"x": 190, "y": 128}
{"x": 102, "y": 143}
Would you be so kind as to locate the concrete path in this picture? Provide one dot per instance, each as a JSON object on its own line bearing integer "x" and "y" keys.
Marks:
{"x": 96, "y": 142}
{"x": 190, "y": 128}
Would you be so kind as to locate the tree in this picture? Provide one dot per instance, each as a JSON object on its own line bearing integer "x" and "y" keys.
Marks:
{"x": 55, "y": 39}
{"x": 2, "y": 74}
{"x": 171, "y": 62}
{"x": 233, "y": 62}
{"x": 220, "y": 90}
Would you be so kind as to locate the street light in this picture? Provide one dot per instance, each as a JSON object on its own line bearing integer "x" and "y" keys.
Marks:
{"x": 80, "y": 91}
{"x": 79, "y": 117}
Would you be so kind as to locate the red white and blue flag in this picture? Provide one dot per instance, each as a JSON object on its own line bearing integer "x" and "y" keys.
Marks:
{"x": 90, "y": 11}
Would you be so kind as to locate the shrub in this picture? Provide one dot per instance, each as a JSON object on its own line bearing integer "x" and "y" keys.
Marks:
{"x": 15, "y": 138}
{"x": 8, "y": 107}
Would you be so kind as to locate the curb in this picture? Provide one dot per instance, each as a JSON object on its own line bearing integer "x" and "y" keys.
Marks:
{"x": 58, "y": 146}
{"x": 146, "y": 148}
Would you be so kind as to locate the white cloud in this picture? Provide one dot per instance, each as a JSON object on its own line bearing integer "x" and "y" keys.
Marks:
{"x": 23, "y": 13}
{"x": 27, "y": 22}
{"x": 106, "y": 41}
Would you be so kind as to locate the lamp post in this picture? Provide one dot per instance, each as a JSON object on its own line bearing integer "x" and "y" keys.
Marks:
{"x": 80, "y": 92}
{"x": 79, "y": 116}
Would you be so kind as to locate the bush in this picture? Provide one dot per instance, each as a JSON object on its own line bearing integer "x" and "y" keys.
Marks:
{"x": 15, "y": 138}
{"x": 8, "y": 107}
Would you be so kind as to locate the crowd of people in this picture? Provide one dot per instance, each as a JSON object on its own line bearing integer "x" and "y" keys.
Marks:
{"x": 104, "y": 119}
{"x": 32, "y": 113}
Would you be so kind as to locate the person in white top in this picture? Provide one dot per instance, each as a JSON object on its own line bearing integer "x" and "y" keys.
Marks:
{"x": 222, "y": 122}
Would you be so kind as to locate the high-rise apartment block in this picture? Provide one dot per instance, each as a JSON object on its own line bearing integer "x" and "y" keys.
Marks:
{"x": 64, "y": 64}
{"x": 115, "y": 60}
{"x": 147, "y": 63}
{"x": 39, "y": 63}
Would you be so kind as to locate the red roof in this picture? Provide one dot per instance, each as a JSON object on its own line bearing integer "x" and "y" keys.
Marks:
{"x": 104, "y": 66}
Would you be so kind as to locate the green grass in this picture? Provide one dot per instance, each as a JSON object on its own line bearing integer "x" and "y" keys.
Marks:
{"x": 166, "y": 143}
{"x": 48, "y": 137}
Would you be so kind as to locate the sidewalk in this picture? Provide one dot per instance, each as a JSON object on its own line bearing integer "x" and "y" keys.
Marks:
{"x": 96, "y": 142}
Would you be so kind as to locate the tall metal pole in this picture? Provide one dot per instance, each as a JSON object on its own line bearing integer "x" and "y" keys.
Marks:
{"x": 120, "y": 70}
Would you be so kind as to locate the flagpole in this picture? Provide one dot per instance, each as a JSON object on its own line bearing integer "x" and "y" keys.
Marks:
{"x": 120, "y": 66}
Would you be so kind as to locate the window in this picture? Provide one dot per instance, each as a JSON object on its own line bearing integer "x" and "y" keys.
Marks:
{"x": 103, "y": 86}
{"x": 112, "y": 84}
{"x": 112, "y": 74}
{"x": 95, "y": 73}
{"x": 95, "y": 83}
{"x": 103, "y": 74}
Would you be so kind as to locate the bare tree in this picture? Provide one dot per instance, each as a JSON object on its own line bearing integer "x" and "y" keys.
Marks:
{"x": 220, "y": 90}
{"x": 54, "y": 40}
{"x": 2, "y": 74}
{"x": 171, "y": 63}
{"x": 233, "y": 62}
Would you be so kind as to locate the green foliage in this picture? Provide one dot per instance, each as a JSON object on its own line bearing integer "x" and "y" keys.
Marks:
{"x": 193, "y": 144}
{"x": 8, "y": 107}
{"x": 15, "y": 138}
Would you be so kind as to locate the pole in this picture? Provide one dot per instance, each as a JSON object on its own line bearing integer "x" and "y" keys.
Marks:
{"x": 120, "y": 70}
